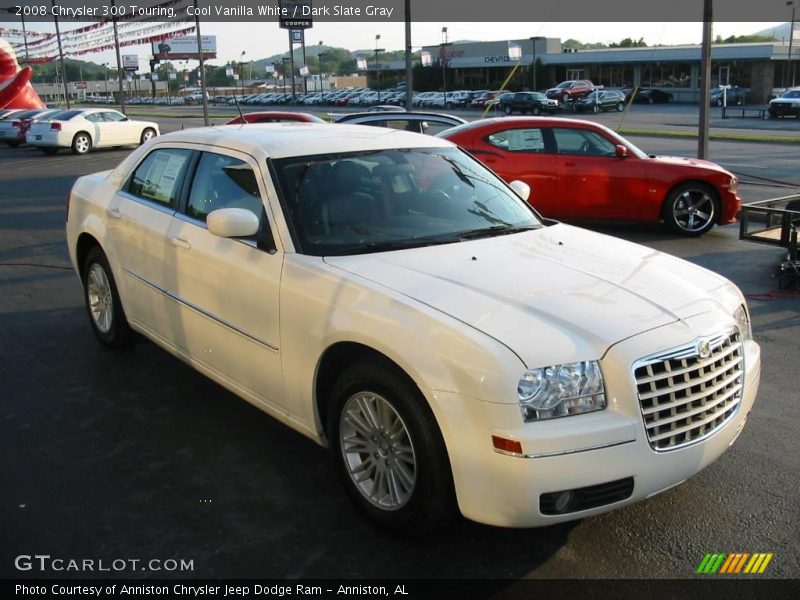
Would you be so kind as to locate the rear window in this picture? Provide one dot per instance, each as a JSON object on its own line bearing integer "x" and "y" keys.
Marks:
{"x": 25, "y": 114}
{"x": 65, "y": 115}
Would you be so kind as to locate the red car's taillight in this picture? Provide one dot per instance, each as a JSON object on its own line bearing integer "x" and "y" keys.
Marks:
{"x": 55, "y": 126}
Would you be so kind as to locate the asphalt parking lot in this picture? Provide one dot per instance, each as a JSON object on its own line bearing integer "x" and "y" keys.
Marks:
{"x": 135, "y": 455}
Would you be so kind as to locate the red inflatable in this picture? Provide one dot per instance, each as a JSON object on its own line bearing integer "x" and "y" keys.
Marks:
{"x": 16, "y": 90}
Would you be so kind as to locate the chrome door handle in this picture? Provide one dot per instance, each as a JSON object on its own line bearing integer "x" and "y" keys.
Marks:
{"x": 114, "y": 213}
{"x": 180, "y": 243}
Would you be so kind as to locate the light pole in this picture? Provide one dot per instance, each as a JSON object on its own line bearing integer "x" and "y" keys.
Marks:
{"x": 321, "y": 87}
{"x": 378, "y": 67}
{"x": 105, "y": 76}
{"x": 443, "y": 58}
{"x": 533, "y": 64}
{"x": 286, "y": 60}
{"x": 789, "y": 65}
{"x": 241, "y": 70}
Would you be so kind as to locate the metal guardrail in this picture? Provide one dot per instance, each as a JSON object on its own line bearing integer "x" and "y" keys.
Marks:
{"x": 738, "y": 112}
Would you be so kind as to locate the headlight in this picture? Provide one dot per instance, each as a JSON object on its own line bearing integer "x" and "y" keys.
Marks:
{"x": 733, "y": 185}
{"x": 743, "y": 322}
{"x": 561, "y": 390}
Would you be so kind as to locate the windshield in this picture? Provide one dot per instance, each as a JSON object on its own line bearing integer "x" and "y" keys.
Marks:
{"x": 392, "y": 199}
{"x": 792, "y": 94}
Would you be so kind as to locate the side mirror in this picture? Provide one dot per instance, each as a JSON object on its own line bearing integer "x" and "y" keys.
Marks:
{"x": 621, "y": 151}
{"x": 232, "y": 223}
{"x": 521, "y": 189}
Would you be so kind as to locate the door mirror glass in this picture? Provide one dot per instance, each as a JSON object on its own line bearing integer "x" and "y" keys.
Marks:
{"x": 522, "y": 189}
{"x": 232, "y": 223}
{"x": 621, "y": 151}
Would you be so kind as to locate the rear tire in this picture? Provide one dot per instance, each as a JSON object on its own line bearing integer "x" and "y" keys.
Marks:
{"x": 103, "y": 305}
{"x": 81, "y": 143}
{"x": 536, "y": 111}
{"x": 508, "y": 110}
{"x": 388, "y": 450}
{"x": 14, "y": 144}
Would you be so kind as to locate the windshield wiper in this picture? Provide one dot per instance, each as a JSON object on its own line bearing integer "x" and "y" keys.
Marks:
{"x": 400, "y": 245}
{"x": 495, "y": 230}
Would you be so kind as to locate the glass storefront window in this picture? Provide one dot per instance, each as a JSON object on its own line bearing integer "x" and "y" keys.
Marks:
{"x": 667, "y": 75}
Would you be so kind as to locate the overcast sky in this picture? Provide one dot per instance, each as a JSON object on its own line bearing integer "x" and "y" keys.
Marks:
{"x": 259, "y": 40}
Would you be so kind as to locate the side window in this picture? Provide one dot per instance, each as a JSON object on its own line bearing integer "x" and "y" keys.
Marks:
{"x": 518, "y": 140}
{"x": 94, "y": 117}
{"x": 582, "y": 142}
{"x": 113, "y": 116}
{"x": 159, "y": 176}
{"x": 223, "y": 182}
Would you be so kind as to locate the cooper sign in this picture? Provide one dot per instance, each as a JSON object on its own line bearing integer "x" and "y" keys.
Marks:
{"x": 296, "y": 14}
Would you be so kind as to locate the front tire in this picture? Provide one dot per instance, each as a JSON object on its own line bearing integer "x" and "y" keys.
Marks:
{"x": 81, "y": 143}
{"x": 508, "y": 110}
{"x": 388, "y": 449}
{"x": 691, "y": 208}
{"x": 103, "y": 305}
{"x": 148, "y": 134}
{"x": 620, "y": 106}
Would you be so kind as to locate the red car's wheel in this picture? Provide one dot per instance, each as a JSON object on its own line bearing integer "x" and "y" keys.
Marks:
{"x": 691, "y": 208}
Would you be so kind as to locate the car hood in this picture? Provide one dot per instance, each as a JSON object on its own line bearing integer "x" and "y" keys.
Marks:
{"x": 556, "y": 294}
{"x": 684, "y": 161}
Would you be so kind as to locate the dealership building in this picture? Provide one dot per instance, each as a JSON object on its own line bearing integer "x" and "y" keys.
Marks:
{"x": 758, "y": 67}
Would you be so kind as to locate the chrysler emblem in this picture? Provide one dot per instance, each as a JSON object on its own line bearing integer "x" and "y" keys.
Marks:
{"x": 703, "y": 349}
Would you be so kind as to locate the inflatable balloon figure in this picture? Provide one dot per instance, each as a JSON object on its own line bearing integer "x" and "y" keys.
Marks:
{"x": 16, "y": 90}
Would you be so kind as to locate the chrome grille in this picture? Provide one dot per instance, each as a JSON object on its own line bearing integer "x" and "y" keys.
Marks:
{"x": 685, "y": 398}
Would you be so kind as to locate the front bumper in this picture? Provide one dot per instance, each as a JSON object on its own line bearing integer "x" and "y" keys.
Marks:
{"x": 579, "y": 451}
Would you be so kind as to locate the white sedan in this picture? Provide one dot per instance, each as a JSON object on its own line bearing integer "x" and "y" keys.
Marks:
{"x": 386, "y": 295}
{"x": 85, "y": 128}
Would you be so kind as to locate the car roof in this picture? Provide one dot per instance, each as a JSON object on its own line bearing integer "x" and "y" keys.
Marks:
{"x": 512, "y": 122}
{"x": 282, "y": 140}
{"x": 365, "y": 117}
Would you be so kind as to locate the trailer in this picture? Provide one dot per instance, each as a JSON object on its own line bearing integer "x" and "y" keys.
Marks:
{"x": 775, "y": 222}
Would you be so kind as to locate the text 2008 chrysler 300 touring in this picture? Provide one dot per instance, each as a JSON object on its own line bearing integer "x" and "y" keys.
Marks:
{"x": 388, "y": 296}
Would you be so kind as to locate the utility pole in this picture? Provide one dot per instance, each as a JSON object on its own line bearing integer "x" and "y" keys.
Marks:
{"x": 61, "y": 56}
{"x": 202, "y": 65}
{"x": 409, "y": 70}
{"x": 705, "y": 80}
{"x": 120, "y": 72}
{"x": 789, "y": 64}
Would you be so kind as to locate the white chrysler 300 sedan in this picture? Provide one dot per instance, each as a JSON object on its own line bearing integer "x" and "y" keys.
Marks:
{"x": 388, "y": 296}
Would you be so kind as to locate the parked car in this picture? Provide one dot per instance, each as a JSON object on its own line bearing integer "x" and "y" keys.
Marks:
{"x": 601, "y": 100}
{"x": 418, "y": 122}
{"x": 579, "y": 169}
{"x": 85, "y": 128}
{"x": 13, "y": 129}
{"x": 389, "y": 297}
{"x": 528, "y": 102}
{"x": 568, "y": 91}
{"x": 735, "y": 96}
{"x": 385, "y": 108}
{"x": 648, "y": 95}
{"x": 273, "y": 116}
{"x": 786, "y": 105}
{"x": 481, "y": 100}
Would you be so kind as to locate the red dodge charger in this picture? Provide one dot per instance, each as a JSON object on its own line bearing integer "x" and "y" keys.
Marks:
{"x": 583, "y": 170}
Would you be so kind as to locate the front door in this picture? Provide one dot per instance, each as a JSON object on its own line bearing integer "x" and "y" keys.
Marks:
{"x": 593, "y": 183}
{"x": 227, "y": 290}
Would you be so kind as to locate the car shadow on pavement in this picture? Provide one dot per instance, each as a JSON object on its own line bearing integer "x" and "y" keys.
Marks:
{"x": 134, "y": 454}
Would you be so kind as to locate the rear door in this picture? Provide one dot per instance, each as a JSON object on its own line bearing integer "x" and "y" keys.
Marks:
{"x": 523, "y": 153}
{"x": 138, "y": 218}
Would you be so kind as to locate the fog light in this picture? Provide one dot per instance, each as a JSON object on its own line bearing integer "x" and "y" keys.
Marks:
{"x": 563, "y": 502}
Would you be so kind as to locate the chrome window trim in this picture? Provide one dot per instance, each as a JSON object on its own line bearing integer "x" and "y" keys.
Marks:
{"x": 164, "y": 208}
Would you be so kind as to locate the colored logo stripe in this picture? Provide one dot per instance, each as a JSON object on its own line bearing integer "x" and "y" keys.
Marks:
{"x": 729, "y": 564}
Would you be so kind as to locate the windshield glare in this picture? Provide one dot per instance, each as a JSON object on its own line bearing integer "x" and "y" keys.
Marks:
{"x": 393, "y": 199}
